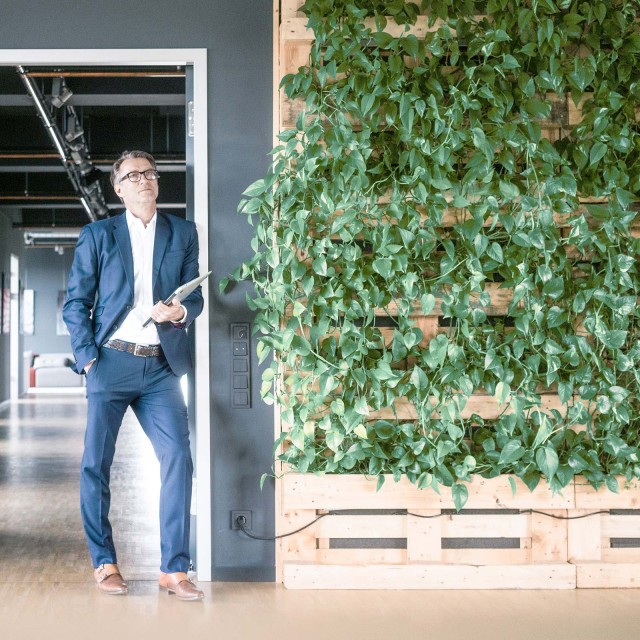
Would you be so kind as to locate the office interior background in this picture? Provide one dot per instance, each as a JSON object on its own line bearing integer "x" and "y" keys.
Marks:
{"x": 104, "y": 109}
{"x": 133, "y": 106}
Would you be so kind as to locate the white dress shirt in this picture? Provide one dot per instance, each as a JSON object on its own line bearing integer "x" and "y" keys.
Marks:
{"x": 142, "y": 242}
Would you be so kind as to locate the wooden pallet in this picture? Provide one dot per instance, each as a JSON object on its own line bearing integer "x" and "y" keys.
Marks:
{"x": 606, "y": 548}
{"x": 407, "y": 538}
{"x": 378, "y": 544}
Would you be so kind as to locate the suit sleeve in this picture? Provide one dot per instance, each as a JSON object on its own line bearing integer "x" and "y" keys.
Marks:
{"x": 81, "y": 294}
{"x": 193, "y": 303}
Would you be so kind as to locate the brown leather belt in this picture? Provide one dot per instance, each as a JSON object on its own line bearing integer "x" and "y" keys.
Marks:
{"x": 142, "y": 350}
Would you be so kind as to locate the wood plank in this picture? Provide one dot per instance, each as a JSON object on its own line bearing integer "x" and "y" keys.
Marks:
{"x": 424, "y": 536}
{"x": 360, "y": 557}
{"x": 551, "y": 133}
{"x": 575, "y": 110}
{"x": 301, "y": 546}
{"x": 616, "y": 526}
{"x": 548, "y": 537}
{"x": 486, "y": 526}
{"x": 296, "y": 28}
{"x": 289, "y": 111}
{"x": 559, "y": 116}
{"x": 588, "y": 498}
{"x": 369, "y": 526}
{"x": 290, "y": 8}
{"x": 620, "y": 555}
{"x": 277, "y": 424}
{"x": 353, "y": 491}
{"x": 484, "y": 405}
{"x": 551, "y": 129}
{"x": 429, "y": 327}
{"x": 599, "y": 575}
{"x": 430, "y": 576}
{"x": 486, "y": 556}
{"x": 584, "y": 537}
{"x": 500, "y": 297}
{"x": 294, "y": 55}
{"x": 452, "y": 216}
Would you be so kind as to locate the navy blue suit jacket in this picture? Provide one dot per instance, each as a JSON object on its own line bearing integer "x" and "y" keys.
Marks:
{"x": 100, "y": 291}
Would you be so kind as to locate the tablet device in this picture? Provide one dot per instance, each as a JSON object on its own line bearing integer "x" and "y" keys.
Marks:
{"x": 182, "y": 292}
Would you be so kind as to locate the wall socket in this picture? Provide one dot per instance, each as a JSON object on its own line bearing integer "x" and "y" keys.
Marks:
{"x": 247, "y": 520}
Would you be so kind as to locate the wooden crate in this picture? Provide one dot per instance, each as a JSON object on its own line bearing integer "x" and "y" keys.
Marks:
{"x": 382, "y": 540}
{"x": 605, "y": 548}
{"x": 378, "y": 544}
{"x": 406, "y": 538}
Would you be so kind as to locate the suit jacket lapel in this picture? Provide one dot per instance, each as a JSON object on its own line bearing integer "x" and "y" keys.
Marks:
{"x": 121, "y": 235}
{"x": 163, "y": 233}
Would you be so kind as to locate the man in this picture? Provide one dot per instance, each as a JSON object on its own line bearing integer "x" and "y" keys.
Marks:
{"x": 121, "y": 265}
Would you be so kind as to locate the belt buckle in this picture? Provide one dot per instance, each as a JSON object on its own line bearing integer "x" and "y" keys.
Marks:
{"x": 135, "y": 351}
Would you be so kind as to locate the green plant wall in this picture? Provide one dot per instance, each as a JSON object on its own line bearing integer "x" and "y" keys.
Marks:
{"x": 399, "y": 135}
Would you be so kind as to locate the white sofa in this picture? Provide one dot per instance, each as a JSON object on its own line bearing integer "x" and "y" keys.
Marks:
{"x": 54, "y": 370}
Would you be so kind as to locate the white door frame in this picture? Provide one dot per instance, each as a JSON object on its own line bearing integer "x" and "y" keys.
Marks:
{"x": 168, "y": 57}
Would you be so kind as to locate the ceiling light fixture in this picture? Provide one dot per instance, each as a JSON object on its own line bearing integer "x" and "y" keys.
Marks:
{"x": 54, "y": 239}
{"x": 74, "y": 130}
{"x": 60, "y": 93}
{"x": 71, "y": 147}
{"x": 87, "y": 208}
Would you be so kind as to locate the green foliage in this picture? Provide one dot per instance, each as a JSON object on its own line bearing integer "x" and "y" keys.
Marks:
{"x": 397, "y": 130}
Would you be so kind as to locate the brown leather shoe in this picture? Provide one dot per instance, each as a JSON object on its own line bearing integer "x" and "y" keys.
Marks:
{"x": 110, "y": 581}
{"x": 180, "y": 585}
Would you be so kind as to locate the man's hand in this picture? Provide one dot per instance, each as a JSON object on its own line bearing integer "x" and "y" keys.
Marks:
{"x": 89, "y": 365}
{"x": 173, "y": 312}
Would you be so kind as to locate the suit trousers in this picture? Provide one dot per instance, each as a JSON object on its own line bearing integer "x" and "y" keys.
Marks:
{"x": 116, "y": 381}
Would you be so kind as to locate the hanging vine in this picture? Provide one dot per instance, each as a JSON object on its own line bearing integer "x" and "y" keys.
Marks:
{"x": 419, "y": 181}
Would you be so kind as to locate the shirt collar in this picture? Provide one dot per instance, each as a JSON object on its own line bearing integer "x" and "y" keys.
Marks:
{"x": 136, "y": 223}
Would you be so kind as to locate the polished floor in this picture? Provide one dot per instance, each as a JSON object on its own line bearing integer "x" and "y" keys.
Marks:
{"x": 47, "y": 591}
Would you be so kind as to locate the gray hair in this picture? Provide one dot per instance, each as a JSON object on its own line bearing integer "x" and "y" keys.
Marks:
{"x": 130, "y": 155}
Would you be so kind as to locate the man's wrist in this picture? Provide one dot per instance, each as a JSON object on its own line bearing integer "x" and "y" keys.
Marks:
{"x": 182, "y": 321}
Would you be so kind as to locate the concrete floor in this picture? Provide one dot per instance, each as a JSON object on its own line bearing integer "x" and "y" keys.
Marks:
{"x": 47, "y": 589}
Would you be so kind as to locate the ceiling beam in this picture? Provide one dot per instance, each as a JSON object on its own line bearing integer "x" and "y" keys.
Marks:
{"x": 105, "y": 100}
{"x": 27, "y": 168}
{"x": 149, "y": 73}
{"x": 72, "y": 205}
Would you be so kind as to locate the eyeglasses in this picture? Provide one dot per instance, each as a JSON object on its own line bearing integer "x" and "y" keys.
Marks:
{"x": 135, "y": 176}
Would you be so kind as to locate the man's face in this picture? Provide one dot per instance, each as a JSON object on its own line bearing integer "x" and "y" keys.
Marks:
{"x": 136, "y": 194}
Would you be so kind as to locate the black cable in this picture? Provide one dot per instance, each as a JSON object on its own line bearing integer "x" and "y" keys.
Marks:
{"x": 241, "y": 524}
{"x": 521, "y": 511}
{"x": 240, "y": 520}
{"x": 551, "y": 515}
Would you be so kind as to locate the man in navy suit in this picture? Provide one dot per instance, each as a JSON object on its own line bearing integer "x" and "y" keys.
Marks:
{"x": 120, "y": 267}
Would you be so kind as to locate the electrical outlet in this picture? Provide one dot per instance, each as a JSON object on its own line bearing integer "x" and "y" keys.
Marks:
{"x": 234, "y": 520}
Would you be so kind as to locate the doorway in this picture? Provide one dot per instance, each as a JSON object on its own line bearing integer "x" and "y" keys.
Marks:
{"x": 14, "y": 337}
{"x": 196, "y": 61}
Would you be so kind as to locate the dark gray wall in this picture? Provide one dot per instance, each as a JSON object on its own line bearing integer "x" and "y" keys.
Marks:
{"x": 46, "y": 273}
{"x": 238, "y": 36}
